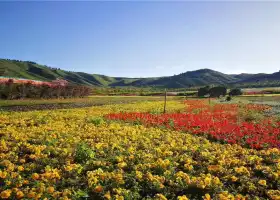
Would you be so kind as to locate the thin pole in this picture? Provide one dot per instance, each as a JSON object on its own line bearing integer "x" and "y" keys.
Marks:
{"x": 164, "y": 109}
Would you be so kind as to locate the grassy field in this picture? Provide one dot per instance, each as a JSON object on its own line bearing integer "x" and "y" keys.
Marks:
{"x": 261, "y": 99}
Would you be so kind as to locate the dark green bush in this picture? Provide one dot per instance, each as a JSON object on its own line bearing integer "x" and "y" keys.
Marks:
{"x": 218, "y": 91}
{"x": 235, "y": 92}
{"x": 228, "y": 98}
{"x": 203, "y": 91}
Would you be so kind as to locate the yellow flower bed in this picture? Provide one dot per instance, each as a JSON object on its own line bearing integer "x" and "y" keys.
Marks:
{"x": 74, "y": 154}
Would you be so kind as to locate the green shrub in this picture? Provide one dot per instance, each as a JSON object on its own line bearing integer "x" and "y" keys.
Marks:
{"x": 203, "y": 91}
{"x": 218, "y": 91}
{"x": 235, "y": 92}
{"x": 83, "y": 153}
{"x": 228, "y": 98}
{"x": 96, "y": 121}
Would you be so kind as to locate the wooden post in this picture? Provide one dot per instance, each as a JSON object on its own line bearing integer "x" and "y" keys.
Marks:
{"x": 165, "y": 95}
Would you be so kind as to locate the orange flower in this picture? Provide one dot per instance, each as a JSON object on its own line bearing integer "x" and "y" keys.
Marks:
{"x": 98, "y": 189}
{"x": 5, "y": 194}
{"x": 50, "y": 190}
{"x": 31, "y": 194}
{"x": 35, "y": 176}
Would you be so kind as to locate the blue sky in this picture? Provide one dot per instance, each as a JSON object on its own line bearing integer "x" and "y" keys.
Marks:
{"x": 143, "y": 39}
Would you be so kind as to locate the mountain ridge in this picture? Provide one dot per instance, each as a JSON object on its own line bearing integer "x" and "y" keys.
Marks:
{"x": 200, "y": 77}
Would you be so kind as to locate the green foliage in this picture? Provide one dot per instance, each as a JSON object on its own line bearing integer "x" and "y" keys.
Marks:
{"x": 80, "y": 194}
{"x": 228, "y": 98}
{"x": 218, "y": 91}
{"x": 203, "y": 91}
{"x": 250, "y": 116}
{"x": 235, "y": 92}
{"x": 83, "y": 153}
{"x": 96, "y": 121}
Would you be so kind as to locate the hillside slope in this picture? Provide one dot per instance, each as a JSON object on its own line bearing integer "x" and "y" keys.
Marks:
{"x": 34, "y": 71}
{"x": 31, "y": 70}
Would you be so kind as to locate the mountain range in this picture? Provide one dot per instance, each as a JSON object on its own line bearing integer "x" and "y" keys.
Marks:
{"x": 202, "y": 77}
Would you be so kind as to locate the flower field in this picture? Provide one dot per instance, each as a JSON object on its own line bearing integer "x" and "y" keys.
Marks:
{"x": 220, "y": 122}
{"x": 88, "y": 153}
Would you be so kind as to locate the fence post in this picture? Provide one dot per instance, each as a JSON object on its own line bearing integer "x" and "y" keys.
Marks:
{"x": 164, "y": 109}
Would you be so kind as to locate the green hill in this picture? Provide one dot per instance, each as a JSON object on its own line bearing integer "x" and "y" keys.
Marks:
{"x": 34, "y": 71}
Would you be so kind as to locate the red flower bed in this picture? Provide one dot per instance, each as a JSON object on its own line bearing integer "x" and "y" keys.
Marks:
{"x": 219, "y": 122}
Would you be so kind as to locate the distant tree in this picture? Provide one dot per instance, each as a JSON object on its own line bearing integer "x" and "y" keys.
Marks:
{"x": 203, "y": 91}
{"x": 218, "y": 91}
{"x": 235, "y": 92}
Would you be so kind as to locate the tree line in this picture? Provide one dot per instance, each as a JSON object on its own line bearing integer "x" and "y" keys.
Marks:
{"x": 11, "y": 90}
{"x": 217, "y": 91}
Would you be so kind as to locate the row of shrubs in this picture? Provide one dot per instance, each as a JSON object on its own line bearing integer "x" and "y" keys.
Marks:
{"x": 218, "y": 91}
{"x": 28, "y": 90}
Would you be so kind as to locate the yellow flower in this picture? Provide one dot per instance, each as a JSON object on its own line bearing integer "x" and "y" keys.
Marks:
{"x": 68, "y": 168}
{"x": 35, "y": 176}
{"x": 121, "y": 165}
{"x": 19, "y": 194}
{"x": 119, "y": 197}
{"x": 32, "y": 156}
{"x": 234, "y": 178}
{"x": 5, "y": 194}
{"x": 207, "y": 197}
{"x": 262, "y": 182}
{"x": 8, "y": 182}
{"x": 207, "y": 181}
{"x": 3, "y": 175}
{"x": 38, "y": 196}
{"x": 274, "y": 194}
{"x": 15, "y": 190}
{"x": 184, "y": 197}
{"x": 161, "y": 197}
{"x": 20, "y": 168}
{"x": 107, "y": 195}
{"x": 50, "y": 189}
{"x": 139, "y": 175}
{"x": 217, "y": 181}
